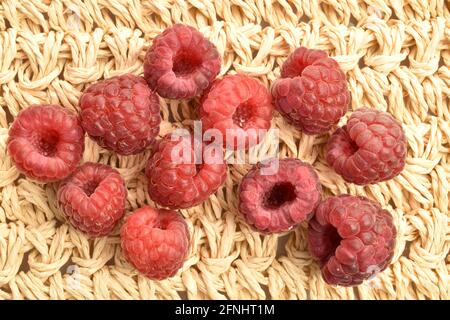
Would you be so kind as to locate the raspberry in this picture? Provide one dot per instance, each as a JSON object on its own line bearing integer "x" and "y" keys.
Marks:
{"x": 176, "y": 182}
{"x": 93, "y": 199}
{"x": 46, "y": 142}
{"x": 352, "y": 238}
{"x": 237, "y": 105}
{"x": 312, "y": 93}
{"x": 369, "y": 149}
{"x": 278, "y": 202}
{"x": 155, "y": 242}
{"x": 121, "y": 114}
{"x": 181, "y": 63}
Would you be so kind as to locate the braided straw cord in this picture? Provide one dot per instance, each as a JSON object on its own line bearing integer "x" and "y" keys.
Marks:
{"x": 397, "y": 58}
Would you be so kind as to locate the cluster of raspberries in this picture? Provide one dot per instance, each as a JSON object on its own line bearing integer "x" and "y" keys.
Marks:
{"x": 350, "y": 237}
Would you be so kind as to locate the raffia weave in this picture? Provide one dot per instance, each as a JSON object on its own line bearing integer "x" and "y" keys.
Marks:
{"x": 397, "y": 58}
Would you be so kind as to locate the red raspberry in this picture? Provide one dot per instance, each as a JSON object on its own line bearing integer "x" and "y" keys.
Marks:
{"x": 277, "y": 202}
{"x": 181, "y": 63}
{"x": 240, "y": 105}
{"x": 352, "y": 238}
{"x": 121, "y": 114}
{"x": 155, "y": 242}
{"x": 176, "y": 182}
{"x": 312, "y": 94}
{"x": 46, "y": 142}
{"x": 93, "y": 199}
{"x": 369, "y": 149}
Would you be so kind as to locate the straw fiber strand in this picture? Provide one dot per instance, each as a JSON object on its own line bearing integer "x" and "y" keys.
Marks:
{"x": 397, "y": 58}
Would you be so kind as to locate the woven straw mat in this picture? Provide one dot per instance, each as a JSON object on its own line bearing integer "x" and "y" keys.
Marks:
{"x": 397, "y": 57}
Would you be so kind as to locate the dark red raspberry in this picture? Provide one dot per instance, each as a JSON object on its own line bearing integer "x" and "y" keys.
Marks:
{"x": 177, "y": 179}
{"x": 312, "y": 93}
{"x": 370, "y": 148}
{"x": 237, "y": 105}
{"x": 93, "y": 199}
{"x": 352, "y": 238}
{"x": 121, "y": 114}
{"x": 46, "y": 142}
{"x": 155, "y": 242}
{"x": 279, "y": 200}
{"x": 181, "y": 63}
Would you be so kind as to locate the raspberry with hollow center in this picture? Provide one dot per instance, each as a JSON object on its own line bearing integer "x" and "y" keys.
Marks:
{"x": 312, "y": 93}
{"x": 239, "y": 106}
{"x": 370, "y": 148}
{"x": 181, "y": 63}
{"x": 155, "y": 242}
{"x": 277, "y": 202}
{"x": 121, "y": 114}
{"x": 176, "y": 179}
{"x": 93, "y": 199}
{"x": 46, "y": 142}
{"x": 352, "y": 238}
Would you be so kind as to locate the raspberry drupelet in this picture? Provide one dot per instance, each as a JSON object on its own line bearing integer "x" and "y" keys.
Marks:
{"x": 155, "y": 242}
{"x": 177, "y": 179}
{"x": 278, "y": 201}
{"x": 121, "y": 114}
{"x": 239, "y": 106}
{"x": 352, "y": 238}
{"x": 181, "y": 63}
{"x": 46, "y": 142}
{"x": 312, "y": 93}
{"x": 93, "y": 199}
{"x": 370, "y": 148}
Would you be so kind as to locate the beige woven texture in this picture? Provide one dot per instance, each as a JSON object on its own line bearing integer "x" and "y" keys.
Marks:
{"x": 397, "y": 58}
